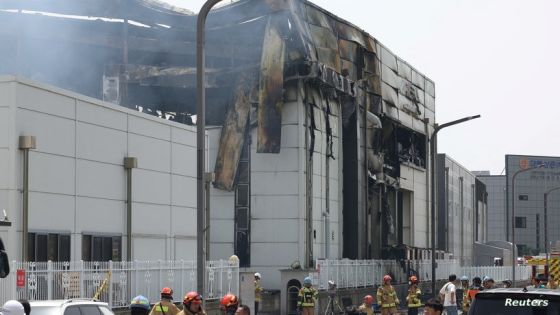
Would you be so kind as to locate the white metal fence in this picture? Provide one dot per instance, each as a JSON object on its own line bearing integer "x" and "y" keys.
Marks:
{"x": 115, "y": 282}
{"x": 361, "y": 273}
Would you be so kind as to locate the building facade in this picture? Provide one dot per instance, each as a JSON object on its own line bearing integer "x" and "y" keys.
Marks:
{"x": 317, "y": 132}
{"x": 497, "y": 219}
{"x": 77, "y": 197}
{"x": 535, "y": 176}
{"x": 462, "y": 210}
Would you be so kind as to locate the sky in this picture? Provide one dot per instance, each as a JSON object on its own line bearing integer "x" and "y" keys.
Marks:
{"x": 496, "y": 58}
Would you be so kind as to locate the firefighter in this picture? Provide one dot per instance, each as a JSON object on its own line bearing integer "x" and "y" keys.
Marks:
{"x": 463, "y": 294}
{"x": 414, "y": 296}
{"x": 258, "y": 290}
{"x": 307, "y": 297}
{"x": 165, "y": 306}
{"x": 473, "y": 290}
{"x": 507, "y": 283}
{"x": 367, "y": 306}
{"x": 552, "y": 284}
{"x": 192, "y": 304}
{"x": 387, "y": 297}
{"x": 229, "y": 304}
{"x": 139, "y": 305}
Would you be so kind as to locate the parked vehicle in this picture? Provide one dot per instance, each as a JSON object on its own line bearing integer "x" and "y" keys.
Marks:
{"x": 70, "y": 307}
{"x": 519, "y": 301}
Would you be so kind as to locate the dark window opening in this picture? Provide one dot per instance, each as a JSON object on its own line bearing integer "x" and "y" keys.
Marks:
{"x": 524, "y": 197}
{"x": 101, "y": 248}
{"x": 48, "y": 246}
{"x": 520, "y": 222}
{"x": 243, "y": 206}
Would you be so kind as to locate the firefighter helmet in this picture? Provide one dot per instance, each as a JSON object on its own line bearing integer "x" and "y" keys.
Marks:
{"x": 229, "y": 300}
{"x": 257, "y": 275}
{"x": 413, "y": 279}
{"x": 368, "y": 299}
{"x": 167, "y": 293}
{"x": 140, "y": 302}
{"x": 307, "y": 281}
{"x": 387, "y": 278}
{"x": 192, "y": 297}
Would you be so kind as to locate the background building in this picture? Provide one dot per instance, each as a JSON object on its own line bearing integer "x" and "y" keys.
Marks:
{"x": 530, "y": 187}
{"x": 497, "y": 219}
{"x": 462, "y": 209}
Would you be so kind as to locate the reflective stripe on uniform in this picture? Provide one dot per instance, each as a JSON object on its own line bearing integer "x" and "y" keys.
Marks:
{"x": 388, "y": 305}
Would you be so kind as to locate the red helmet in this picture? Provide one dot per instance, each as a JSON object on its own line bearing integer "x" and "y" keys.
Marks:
{"x": 192, "y": 297}
{"x": 413, "y": 279}
{"x": 387, "y": 278}
{"x": 167, "y": 293}
{"x": 229, "y": 300}
{"x": 368, "y": 299}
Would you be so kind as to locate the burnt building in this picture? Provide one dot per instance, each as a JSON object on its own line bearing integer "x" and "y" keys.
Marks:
{"x": 318, "y": 133}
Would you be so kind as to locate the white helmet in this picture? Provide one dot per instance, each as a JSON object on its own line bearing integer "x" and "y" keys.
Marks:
{"x": 257, "y": 275}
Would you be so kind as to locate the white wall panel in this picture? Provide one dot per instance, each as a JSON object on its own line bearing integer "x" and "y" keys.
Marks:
{"x": 221, "y": 206}
{"x": 6, "y": 126}
{"x": 183, "y": 221}
{"x": 273, "y": 253}
{"x": 183, "y": 160}
{"x": 280, "y": 207}
{"x": 6, "y": 171}
{"x": 150, "y": 219}
{"x": 285, "y": 161}
{"x": 7, "y": 90}
{"x": 149, "y": 126}
{"x": 101, "y": 115}
{"x": 100, "y": 143}
{"x": 186, "y": 136}
{"x": 50, "y": 212}
{"x": 185, "y": 249}
{"x": 274, "y": 183}
{"x": 274, "y": 230}
{"x": 95, "y": 179}
{"x": 92, "y": 215}
{"x": 290, "y": 137}
{"x": 153, "y": 154}
{"x": 51, "y": 173}
{"x": 221, "y": 231}
{"x": 183, "y": 191}
{"x": 54, "y": 134}
{"x": 45, "y": 101}
{"x": 221, "y": 251}
{"x": 144, "y": 248}
{"x": 151, "y": 187}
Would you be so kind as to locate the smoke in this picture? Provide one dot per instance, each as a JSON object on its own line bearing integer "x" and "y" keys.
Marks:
{"x": 89, "y": 48}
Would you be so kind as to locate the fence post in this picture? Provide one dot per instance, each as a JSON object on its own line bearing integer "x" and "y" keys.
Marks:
{"x": 110, "y": 283}
{"x": 49, "y": 279}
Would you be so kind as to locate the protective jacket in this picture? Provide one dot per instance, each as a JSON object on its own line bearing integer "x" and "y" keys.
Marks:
{"x": 307, "y": 297}
{"x": 414, "y": 296}
{"x": 258, "y": 290}
{"x": 164, "y": 307}
{"x": 387, "y": 297}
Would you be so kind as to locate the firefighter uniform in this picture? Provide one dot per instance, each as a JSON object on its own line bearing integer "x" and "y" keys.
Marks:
{"x": 473, "y": 290}
{"x": 414, "y": 299}
{"x": 306, "y": 300}
{"x": 387, "y": 299}
{"x": 364, "y": 309}
{"x": 258, "y": 298}
{"x": 164, "y": 307}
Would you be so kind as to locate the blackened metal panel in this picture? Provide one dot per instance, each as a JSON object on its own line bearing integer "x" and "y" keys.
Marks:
{"x": 271, "y": 88}
{"x": 233, "y": 133}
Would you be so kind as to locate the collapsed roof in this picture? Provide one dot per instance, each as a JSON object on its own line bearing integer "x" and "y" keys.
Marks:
{"x": 142, "y": 54}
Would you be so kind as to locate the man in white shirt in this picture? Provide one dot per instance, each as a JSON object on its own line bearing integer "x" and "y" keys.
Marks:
{"x": 447, "y": 294}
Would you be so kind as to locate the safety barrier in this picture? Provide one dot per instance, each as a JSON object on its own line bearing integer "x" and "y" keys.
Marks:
{"x": 348, "y": 273}
{"x": 115, "y": 282}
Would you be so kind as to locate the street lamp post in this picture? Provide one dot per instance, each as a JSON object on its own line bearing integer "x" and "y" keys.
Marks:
{"x": 433, "y": 152}
{"x": 200, "y": 143}
{"x": 513, "y": 247}
{"x": 546, "y": 249}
